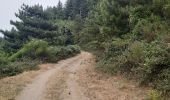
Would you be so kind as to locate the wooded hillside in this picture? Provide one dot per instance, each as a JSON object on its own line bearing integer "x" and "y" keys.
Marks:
{"x": 128, "y": 37}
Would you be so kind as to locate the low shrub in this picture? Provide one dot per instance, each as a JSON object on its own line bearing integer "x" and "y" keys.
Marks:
{"x": 116, "y": 48}
{"x": 130, "y": 61}
{"x": 3, "y": 58}
{"x": 157, "y": 58}
{"x": 154, "y": 95}
{"x": 39, "y": 49}
{"x": 151, "y": 29}
{"x": 75, "y": 48}
{"x": 34, "y": 49}
{"x": 17, "y": 67}
{"x": 113, "y": 55}
{"x": 31, "y": 54}
{"x": 59, "y": 53}
{"x": 149, "y": 63}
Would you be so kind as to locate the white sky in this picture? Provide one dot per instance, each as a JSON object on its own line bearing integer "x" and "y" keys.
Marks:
{"x": 9, "y": 7}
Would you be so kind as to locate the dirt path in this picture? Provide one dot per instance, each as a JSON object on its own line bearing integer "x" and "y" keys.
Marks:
{"x": 77, "y": 79}
{"x": 35, "y": 90}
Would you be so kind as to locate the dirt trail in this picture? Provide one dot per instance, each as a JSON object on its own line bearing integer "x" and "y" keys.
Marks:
{"x": 77, "y": 79}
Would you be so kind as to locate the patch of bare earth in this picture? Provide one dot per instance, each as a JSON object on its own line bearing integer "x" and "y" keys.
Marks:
{"x": 10, "y": 87}
{"x": 79, "y": 80}
{"x": 72, "y": 79}
{"x": 38, "y": 89}
{"x": 64, "y": 85}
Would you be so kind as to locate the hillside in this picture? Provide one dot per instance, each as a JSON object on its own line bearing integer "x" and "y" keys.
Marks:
{"x": 129, "y": 39}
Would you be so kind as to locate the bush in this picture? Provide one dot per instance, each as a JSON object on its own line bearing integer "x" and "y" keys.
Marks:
{"x": 34, "y": 49}
{"x": 116, "y": 47}
{"x": 149, "y": 63}
{"x": 156, "y": 59}
{"x": 154, "y": 95}
{"x": 30, "y": 56}
{"x": 58, "y": 53}
{"x": 17, "y": 67}
{"x": 39, "y": 49}
{"x": 131, "y": 59}
{"x": 112, "y": 55}
{"x": 151, "y": 29}
{"x": 3, "y": 58}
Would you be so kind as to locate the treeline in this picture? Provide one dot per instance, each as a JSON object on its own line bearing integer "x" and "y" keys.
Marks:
{"x": 53, "y": 24}
{"x": 128, "y": 37}
{"x": 40, "y": 35}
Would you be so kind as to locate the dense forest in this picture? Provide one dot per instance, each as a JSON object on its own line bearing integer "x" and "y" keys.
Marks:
{"x": 128, "y": 37}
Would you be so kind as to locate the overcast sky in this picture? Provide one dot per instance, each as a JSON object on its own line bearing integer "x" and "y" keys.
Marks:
{"x": 9, "y": 7}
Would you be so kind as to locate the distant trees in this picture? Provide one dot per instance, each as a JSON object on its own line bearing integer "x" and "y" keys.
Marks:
{"x": 56, "y": 12}
{"x": 78, "y": 7}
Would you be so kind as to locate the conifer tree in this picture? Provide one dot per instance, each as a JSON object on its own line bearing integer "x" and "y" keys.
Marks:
{"x": 11, "y": 41}
{"x": 35, "y": 23}
{"x": 76, "y": 7}
{"x": 59, "y": 10}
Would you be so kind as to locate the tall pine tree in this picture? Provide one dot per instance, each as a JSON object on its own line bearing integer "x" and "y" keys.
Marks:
{"x": 35, "y": 23}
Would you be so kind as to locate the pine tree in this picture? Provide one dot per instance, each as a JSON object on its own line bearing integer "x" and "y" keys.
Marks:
{"x": 76, "y": 7}
{"x": 35, "y": 23}
{"x": 68, "y": 11}
{"x": 11, "y": 41}
{"x": 60, "y": 10}
{"x": 111, "y": 18}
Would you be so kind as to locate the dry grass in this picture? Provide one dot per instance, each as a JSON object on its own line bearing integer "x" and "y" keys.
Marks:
{"x": 102, "y": 86}
{"x": 10, "y": 87}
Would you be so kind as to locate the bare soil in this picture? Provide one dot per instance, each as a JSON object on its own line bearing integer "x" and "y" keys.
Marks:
{"x": 74, "y": 79}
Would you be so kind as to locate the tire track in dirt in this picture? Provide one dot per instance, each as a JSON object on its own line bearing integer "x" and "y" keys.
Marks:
{"x": 36, "y": 90}
{"x": 77, "y": 79}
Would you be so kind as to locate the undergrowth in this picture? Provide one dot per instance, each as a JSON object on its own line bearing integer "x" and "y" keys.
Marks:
{"x": 32, "y": 54}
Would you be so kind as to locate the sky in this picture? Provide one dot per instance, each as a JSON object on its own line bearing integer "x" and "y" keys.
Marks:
{"x": 8, "y": 8}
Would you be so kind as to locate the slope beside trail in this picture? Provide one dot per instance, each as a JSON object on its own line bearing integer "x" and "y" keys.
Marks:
{"x": 77, "y": 79}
